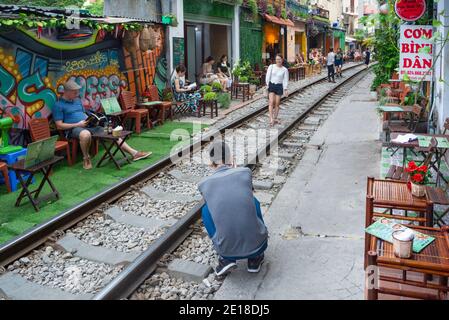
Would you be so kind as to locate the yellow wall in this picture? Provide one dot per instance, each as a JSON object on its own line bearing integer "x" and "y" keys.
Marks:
{"x": 295, "y": 36}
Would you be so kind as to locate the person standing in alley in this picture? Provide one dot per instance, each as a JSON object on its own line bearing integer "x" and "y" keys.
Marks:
{"x": 330, "y": 65}
{"x": 367, "y": 56}
{"x": 231, "y": 214}
{"x": 339, "y": 62}
{"x": 277, "y": 83}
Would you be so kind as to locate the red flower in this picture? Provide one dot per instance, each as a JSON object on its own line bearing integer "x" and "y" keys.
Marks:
{"x": 411, "y": 166}
{"x": 417, "y": 178}
{"x": 409, "y": 186}
{"x": 423, "y": 168}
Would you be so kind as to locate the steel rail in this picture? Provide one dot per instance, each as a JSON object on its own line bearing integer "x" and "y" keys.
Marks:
{"x": 135, "y": 273}
{"x": 36, "y": 236}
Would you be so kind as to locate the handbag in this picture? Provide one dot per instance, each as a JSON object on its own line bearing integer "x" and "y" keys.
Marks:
{"x": 267, "y": 93}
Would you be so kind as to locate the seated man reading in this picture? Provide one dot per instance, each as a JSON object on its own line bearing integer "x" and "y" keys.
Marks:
{"x": 232, "y": 215}
{"x": 70, "y": 116}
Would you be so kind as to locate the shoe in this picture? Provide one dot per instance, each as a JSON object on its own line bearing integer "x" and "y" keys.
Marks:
{"x": 255, "y": 263}
{"x": 141, "y": 155}
{"x": 224, "y": 266}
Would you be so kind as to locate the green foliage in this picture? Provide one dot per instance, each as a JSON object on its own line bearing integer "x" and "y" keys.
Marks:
{"x": 224, "y": 99}
{"x": 45, "y": 3}
{"x": 253, "y": 6}
{"x": 385, "y": 45}
{"x": 216, "y": 86}
{"x": 243, "y": 79}
{"x": 210, "y": 96}
{"x": 96, "y": 8}
{"x": 270, "y": 10}
{"x": 243, "y": 70}
{"x": 284, "y": 14}
{"x": 206, "y": 88}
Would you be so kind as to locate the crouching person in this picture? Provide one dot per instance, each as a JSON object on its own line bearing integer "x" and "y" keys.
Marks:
{"x": 232, "y": 215}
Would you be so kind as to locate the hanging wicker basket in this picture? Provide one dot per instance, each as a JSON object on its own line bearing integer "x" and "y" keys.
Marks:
{"x": 147, "y": 40}
{"x": 130, "y": 40}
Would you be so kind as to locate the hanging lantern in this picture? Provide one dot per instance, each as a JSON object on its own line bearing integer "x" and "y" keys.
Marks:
{"x": 130, "y": 40}
{"x": 147, "y": 40}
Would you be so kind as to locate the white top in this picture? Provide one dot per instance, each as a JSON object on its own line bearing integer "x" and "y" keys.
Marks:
{"x": 277, "y": 75}
{"x": 330, "y": 58}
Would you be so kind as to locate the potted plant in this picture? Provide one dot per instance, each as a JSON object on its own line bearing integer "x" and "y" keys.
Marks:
{"x": 419, "y": 177}
{"x": 210, "y": 96}
{"x": 253, "y": 83}
{"x": 217, "y": 87}
{"x": 205, "y": 89}
{"x": 224, "y": 99}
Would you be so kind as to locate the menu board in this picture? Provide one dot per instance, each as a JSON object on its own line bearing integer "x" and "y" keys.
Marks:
{"x": 383, "y": 228}
{"x": 178, "y": 51}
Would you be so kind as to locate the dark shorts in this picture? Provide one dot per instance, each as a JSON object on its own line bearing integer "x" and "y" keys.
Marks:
{"x": 338, "y": 63}
{"x": 75, "y": 132}
{"x": 276, "y": 88}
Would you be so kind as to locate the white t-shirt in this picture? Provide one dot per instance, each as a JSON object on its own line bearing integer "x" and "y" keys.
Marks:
{"x": 277, "y": 75}
{"x": 330, "y": 58}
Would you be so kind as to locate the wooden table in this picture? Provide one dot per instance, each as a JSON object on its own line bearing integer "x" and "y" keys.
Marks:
{"x": 113, "y": 142}
{"x": 415, "y": 144}
{"x": 43, "y": 167}
{"x": 431, "y": 261}
{"x": 394, "y": 194}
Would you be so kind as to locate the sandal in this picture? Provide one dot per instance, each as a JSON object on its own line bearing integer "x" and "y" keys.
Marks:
{"x": 87, "y": 163}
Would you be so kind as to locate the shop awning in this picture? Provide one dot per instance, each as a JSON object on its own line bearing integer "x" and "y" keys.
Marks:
{"x": 276, "y": 20}
{"x": 349, "y": 39}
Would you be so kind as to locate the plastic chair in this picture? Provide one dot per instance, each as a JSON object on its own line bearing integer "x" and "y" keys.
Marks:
{"x": 40, "y": 130}
{"x": 128, "y": 103}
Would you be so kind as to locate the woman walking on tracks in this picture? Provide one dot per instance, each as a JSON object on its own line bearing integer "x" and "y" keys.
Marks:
{"x": 277, "y": 82}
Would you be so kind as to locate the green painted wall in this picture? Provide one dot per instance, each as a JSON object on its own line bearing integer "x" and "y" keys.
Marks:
{"x": 251, "y": 38}
{"x": 208, "y": 8}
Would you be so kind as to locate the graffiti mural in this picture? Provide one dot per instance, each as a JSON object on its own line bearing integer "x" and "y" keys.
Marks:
{"x": 33, "y": 71}
{"x": 23, "y": 95}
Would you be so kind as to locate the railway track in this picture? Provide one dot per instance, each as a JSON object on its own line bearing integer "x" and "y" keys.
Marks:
{"x": 114, "y": 241}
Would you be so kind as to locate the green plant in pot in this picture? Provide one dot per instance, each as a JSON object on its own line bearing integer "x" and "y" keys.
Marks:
{"x": 210, "y": 96}
{"x": 217, "y": 87}
{"x": 224, "y": 100}
{"x": 205, "y": 89}
{"x": 243, "y": 79}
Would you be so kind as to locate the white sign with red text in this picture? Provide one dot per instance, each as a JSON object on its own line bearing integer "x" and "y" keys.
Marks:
{"x": 416, "y": 50}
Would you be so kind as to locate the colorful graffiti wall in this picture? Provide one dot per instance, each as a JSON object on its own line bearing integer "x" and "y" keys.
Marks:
{"x": 33, "y": 69}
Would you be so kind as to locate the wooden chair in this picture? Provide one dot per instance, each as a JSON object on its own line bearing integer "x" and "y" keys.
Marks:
{"x": 40, "y": 130}
{"x": 4, "y": 171}
{"x": 399, "y": 173}
{"x": 128, "y": 103}
{"x": 164, "y": 108}
{"x": 406, "y": 125}
{"x": 180, "y": 107}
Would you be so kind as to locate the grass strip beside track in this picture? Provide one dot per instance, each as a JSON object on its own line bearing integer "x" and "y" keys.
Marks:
{"x": 76, "y": 184}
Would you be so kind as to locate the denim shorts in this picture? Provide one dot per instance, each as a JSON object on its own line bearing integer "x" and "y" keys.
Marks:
{"x": 75, "y": 132}
{"x": 276, "y": 88}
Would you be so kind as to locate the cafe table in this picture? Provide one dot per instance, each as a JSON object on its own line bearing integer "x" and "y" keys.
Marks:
{"x": 423, "y": 276}
{"x": 423, "y": 141}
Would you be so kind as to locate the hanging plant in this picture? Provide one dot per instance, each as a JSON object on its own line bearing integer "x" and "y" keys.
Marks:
{"x": 270, "y": 10}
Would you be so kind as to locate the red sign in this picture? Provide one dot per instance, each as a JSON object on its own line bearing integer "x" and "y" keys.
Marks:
{"x": 410, "y": 10}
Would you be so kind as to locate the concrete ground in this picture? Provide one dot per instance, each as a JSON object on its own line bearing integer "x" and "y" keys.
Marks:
{"x": 316, "y": 222}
